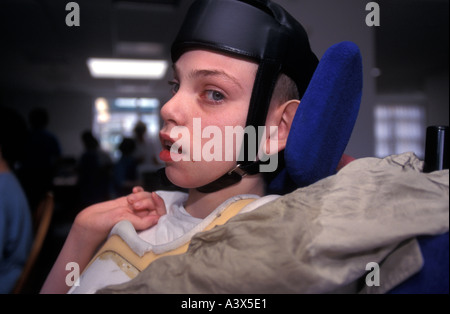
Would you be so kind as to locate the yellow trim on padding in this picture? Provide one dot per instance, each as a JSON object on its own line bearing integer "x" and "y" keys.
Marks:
{"x": 118, "y": 246}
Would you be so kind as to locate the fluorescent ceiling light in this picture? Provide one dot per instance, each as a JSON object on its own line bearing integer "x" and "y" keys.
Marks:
{"x": 127, "y": 68}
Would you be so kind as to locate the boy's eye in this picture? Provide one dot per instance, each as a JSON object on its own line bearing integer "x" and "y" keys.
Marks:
{"x": 175, "y": 86}
{"x": 214, "y": 95}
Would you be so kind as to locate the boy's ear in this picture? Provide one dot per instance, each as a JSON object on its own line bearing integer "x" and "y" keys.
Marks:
{"x": 281, "y": 116}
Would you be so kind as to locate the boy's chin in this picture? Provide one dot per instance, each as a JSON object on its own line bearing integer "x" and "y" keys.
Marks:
{"x": 186, "y": 180}
{"x": 179, "y": 177}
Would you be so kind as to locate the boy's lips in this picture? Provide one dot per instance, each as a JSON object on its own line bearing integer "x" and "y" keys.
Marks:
{"x": 166, "y": 143}
{"x": 164, "y": 155}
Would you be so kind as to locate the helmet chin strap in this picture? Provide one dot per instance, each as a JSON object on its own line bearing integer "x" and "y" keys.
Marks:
{"x": 230, "y": 178}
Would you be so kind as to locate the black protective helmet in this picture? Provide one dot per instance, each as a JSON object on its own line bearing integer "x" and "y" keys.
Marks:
{"x": 259, "y": 30}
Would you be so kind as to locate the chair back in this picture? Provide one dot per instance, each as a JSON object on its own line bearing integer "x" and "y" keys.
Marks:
{"x": 324, "y": 119}
{"x": 41, "y": 223}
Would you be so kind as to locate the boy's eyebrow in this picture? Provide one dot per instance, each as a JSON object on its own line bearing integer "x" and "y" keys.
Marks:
{"x": 205, "y": 73}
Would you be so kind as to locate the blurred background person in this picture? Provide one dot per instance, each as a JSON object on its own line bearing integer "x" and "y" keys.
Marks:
{"x": 146, "y": 152}
{"x": 16, "y": 234}
{"x": 94, "y": 172}
{"x": 125, "y": 169}
{"x": 42, "y": 154}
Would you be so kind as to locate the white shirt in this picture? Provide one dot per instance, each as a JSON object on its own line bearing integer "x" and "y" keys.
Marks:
{"x": 176, "y": 222}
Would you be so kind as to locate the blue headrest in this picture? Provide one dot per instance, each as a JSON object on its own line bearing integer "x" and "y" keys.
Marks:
{"x": 433, "y": 278}
{"x": 324, "y": 120}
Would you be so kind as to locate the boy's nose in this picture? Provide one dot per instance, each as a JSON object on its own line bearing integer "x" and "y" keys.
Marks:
{"x": 171, "y": 112}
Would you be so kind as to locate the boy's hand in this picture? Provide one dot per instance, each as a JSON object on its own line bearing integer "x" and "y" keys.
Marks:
{"x": 146, "y": 202}
{"x": 91, "y": 227}
{"x": 141, "y": 208}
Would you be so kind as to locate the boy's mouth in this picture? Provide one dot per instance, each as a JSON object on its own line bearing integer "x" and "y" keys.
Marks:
{"x": 168, "y": 150}
{"x": 168, "y": 146}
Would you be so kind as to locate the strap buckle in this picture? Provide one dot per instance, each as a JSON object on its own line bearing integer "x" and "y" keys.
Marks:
{"x": 238, "y": 171}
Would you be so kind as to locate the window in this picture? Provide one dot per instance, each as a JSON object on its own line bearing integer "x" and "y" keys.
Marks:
{"x": 399, "y": 128}
{"x": 115, "y": 119}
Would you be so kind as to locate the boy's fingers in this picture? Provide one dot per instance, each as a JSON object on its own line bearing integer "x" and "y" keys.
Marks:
{"x": 144, "y": 222}
{"x": 130, "y": 199}
{"x": 137, "y": 195}
{"x": 137, "y": 189}
{"x": 141, "y": 200}
{"x": 159, "y": 204}
{"x": 141, "y": 213}
{"x": 144, "y": 204}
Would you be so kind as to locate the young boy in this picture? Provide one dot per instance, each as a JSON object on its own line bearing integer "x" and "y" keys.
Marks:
{"x": 237, "y": 64}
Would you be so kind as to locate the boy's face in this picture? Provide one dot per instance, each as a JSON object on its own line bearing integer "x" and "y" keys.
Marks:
{"x": 210, "y": 92}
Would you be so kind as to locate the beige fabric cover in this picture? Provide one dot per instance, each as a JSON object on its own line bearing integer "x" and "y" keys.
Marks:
{"x": 317, "y": 239}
